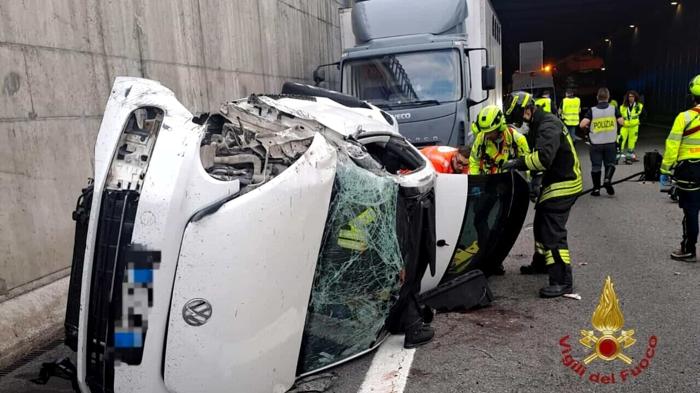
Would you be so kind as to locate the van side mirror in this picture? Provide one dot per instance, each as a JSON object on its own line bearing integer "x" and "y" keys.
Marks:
{"x": 488, "y": 77}
{"x": 319, "y": 75}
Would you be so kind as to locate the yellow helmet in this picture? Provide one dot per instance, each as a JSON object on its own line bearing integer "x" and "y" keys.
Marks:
{"x": 695, "y": 86}
{"x": 490, "y": 118}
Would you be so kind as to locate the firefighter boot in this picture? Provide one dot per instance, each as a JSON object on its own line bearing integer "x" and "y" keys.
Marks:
{"x": 596, "y": 183}
{"x": 560, "y": 281}
{"x": 418, "y": 334}
{"x": 536, "y": 267}
{"x": 607, "y": 183}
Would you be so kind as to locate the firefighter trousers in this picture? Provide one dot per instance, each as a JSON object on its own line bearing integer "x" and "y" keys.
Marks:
{"x": 549, "y": 229}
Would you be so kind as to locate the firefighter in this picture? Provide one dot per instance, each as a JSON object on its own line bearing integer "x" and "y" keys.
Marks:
{"x": 631, "y": 111}
{"x": 552, "y": 152}
{"x": 446, "y": 159}
{"x": 569, "y": 112}
{"x": 682, "y": 160}
{"x": 495, "y": 143}
{"x": 545, "y": 102}
{"x": 602, "y": 121}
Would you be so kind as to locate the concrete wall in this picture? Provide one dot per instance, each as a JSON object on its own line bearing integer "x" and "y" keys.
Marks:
{"x": 58, "y": 60}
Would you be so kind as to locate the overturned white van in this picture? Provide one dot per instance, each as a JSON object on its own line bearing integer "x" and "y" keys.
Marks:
{"x": 237, "y": 251}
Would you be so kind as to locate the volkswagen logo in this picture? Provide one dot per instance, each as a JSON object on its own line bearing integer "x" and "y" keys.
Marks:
{"x": 196, "y": 312}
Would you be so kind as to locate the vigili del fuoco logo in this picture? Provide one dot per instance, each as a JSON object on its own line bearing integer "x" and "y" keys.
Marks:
{"x": 608, "y": 343}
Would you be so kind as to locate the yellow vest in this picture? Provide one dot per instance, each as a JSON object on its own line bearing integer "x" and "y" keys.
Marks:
{"x": 683, "y": 143}
{"x": 613, "y": 103}
{"x": 570, "y": 109}
{"x": 544, "y": 103}
{"x": 631, "y": 116}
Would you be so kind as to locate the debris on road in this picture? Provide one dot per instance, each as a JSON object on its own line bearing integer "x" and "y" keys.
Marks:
{"x": 573, "y": 296}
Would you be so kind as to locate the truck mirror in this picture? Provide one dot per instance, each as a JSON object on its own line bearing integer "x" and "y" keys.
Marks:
{"x": 319, "y": 75}
{"x": 488, "y": 77}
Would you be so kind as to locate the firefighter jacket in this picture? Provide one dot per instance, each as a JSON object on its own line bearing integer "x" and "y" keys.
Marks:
{"x": 552, "y": 152}
{"x": 683, "y": 143}
{"x": 488, "y": 156}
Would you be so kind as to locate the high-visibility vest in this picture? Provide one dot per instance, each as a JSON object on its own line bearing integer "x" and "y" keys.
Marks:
{"x": 603, "y": 125}
{"x": 613, "y": 103}
{"x": 544, "y": 103}
{"x": 570, "y": 109}
{"x": 631, "y": 115}
{"x": 683, "y": 142}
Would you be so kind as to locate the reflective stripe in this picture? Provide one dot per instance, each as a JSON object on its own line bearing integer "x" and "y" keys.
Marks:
{"x": 569, "y": 187}
{"x": 532, "y": 161}
{"x": 675, "y": 137}
{"x": 539, "y": 248}
{"x": 688, "y": 140}
{"x": 565, "y": 257}
{"x": 548, "y": 258}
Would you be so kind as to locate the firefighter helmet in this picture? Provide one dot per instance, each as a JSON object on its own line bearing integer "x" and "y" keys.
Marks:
{"x": 490, "y": 118}
{"x": 515, "y": 105}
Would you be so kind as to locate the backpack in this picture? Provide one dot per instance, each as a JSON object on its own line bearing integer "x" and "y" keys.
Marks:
{"x": 652, "y": 166}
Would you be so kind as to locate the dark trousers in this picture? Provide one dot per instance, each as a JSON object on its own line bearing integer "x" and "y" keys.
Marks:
{"x": 549, "y": 229}
{"x": 602, "y": 155}
{"x": 690, "y": 228}
{"x": 687, "y": 175}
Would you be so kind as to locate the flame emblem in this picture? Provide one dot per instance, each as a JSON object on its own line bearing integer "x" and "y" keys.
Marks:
{"x": 608, "y": 319}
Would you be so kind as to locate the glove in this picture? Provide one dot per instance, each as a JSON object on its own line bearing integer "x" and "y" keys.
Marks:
{"x": 510, "y": 165}
{"x": 535, "y": 188}
{"x": 665, "y": 181}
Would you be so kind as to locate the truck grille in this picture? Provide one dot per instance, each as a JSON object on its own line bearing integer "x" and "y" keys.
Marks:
{"x": 115, "y": 227}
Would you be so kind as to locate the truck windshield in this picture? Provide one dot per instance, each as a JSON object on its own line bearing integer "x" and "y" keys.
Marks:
{"x": 405, "y": 79}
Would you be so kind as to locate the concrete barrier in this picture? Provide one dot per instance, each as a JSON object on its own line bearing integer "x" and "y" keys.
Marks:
{"x": 31, "y": 320}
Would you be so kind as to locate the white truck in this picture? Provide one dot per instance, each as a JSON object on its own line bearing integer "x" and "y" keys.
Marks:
{"x": 432, "y": 64}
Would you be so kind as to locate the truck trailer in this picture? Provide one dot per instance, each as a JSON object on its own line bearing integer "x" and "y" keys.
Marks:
{"x": 431, "y": 64}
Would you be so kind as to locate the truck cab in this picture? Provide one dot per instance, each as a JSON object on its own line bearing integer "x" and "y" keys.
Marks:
{"x": 426, "y": 63}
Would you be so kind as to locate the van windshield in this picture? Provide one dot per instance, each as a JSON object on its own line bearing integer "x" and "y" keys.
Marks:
{"x": 405, "y": 79}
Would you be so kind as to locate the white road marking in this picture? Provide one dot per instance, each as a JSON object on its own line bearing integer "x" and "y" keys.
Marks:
{"x": 390, "y": 367}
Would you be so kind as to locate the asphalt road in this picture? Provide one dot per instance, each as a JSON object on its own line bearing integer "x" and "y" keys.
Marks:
{"x": 514, "y": 345}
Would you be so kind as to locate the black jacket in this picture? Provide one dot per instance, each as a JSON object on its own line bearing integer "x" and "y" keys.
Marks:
{"x": 552, "y": 152}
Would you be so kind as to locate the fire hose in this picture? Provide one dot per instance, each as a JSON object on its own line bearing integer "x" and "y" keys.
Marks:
{"x": 588, "y": 191}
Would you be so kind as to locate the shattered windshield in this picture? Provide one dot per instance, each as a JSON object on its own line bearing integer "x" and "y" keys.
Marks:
{"x": 357, "y": 275}
{"x": 405, "y": 79}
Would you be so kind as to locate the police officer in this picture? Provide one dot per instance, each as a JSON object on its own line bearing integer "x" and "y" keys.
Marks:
{"x": 569, "y": 112}
{"x": 495, "y": 143}
{"x": 682, "y": 159}
{"x": 552, "y": 152}
{"x": 602, "y": 120}
{"x": 631, "y": 111}
{"x": 545, "y": 103}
